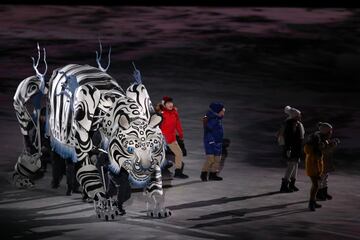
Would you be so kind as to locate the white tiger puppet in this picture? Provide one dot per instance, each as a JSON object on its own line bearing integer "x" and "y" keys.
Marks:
{"x": 81, "y": 100}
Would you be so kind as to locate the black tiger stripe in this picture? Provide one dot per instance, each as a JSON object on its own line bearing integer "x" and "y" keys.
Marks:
{"x": 84, "y": 174}
{"x": 94, "y": 187}
{"x": 95, "y": 80}
{"x": 105, "y": 87}
{"x": 155, "y": 187}
{"x": 87, "y": 179}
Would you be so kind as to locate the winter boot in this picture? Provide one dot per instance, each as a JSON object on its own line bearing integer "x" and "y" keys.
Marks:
{"x": 327, "y": 196}
{"x": 204, "y": 176}
{"x": 76, "y": 189}
{"x": 168, "y": 164}
{"x": 68, "y": 191}
{"x": 317, "y": 205}
{"x": 285, "y": 186}
{"x": 292, "y": 186}
{"x": 55, "y": 184}
{"x": 166, "y": 174}
{"x": 214, "y": 177}
{"x": 180, "y": 174}
{"x": 121, "y": 210}
{"x": 313, "y": 205}
{"x": 320, "y": 195}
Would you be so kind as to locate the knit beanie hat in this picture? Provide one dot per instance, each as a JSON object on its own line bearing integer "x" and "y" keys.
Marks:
{"x": 292, "y": 112}
{"x": 166, "y": 99}
{"x": 324, "y": 127}
{"x": 216, "y": 107}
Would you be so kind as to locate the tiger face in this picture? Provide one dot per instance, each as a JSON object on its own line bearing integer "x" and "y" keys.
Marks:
{"x": 138, "y": 147}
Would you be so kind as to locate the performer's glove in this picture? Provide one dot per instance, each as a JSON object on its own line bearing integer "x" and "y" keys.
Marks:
{"x": 288, "y": 153}
{"x": 335, "y": 141}
{"x": 182, "y": 146}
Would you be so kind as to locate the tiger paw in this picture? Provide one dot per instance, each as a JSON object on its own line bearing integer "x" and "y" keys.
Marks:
{"x": 159, "y": 213}
{"x": 22, "y": 182}
{"x": 106, "y": 215}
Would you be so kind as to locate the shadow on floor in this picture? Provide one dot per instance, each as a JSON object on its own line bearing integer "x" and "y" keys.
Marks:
{"x": 218, "y": 201}
{"x": 239, "y": 215}
{"x": 169, "y": 185}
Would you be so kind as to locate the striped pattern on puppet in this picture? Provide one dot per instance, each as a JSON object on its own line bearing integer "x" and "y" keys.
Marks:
{"x": 155, "y": 183}
{"x": 89, "y": 177}
{"x": 74, "y": 95}
{"x": 26, "y": 89}
{"x": 139, "y": 94}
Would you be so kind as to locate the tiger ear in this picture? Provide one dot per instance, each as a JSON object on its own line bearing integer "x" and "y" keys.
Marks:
{"x": 124, "y": 122}
{"x": 155, "y": 120}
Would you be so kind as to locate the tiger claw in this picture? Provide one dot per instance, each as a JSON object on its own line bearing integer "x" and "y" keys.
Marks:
{"x": 22, "y": 182}
{"x": 107, "y": 209}
{"x": 162, "y": 213}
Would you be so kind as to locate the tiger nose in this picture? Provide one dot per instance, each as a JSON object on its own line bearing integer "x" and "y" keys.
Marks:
{"x": 145, "y": 159}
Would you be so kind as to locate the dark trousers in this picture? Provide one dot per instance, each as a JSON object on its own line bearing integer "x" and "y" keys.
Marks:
{"x": 314, "y": 188}
{"x": 44, "y": 160}
{"x": 119, "y": 185}
{"x": 62, "y": 166}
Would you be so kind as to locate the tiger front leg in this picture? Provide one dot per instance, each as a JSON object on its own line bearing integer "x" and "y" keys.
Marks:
{"x": 86, "y": 101}
{"x": 28, "y": 162}
{"x": 25, "y": 170}
{"x": 155, "y": 197}
{"x": 119, "y": 190}
{"x": 90, "y": 178}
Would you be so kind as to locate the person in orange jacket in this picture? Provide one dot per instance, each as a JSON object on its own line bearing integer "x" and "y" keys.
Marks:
{"x": 330, "y": 144}
{"x": 313, "y": 166}
{"x": 315, "y": 150}
{"x": 170, "y": 126}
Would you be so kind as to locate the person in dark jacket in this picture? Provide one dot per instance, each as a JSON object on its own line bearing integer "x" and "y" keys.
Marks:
{"x": 213, "y": 140}
{"x": 293, "y": 140}
{"x": 45, "y": 142}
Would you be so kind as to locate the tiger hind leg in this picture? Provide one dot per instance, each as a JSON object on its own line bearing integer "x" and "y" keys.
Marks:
{"x": 26, "y": 169}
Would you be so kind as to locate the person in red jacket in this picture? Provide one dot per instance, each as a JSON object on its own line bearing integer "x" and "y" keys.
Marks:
{"x": 170, "y": 126}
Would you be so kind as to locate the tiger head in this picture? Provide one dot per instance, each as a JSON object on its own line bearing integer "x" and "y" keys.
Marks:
{"x": 138, "y": 147}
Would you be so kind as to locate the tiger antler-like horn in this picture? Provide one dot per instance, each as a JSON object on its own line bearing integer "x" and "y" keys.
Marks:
{"x": 98, "y": 58}
{"x": 41, "y": 76}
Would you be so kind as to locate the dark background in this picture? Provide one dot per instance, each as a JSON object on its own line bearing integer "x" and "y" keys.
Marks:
{"x": 217, "y": 3}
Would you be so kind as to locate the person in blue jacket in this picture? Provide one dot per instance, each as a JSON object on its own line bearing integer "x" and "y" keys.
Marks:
{"x": 213, "y": 139}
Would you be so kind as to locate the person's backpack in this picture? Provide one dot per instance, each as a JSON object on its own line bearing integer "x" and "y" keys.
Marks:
{"x": 280, "y": 135}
